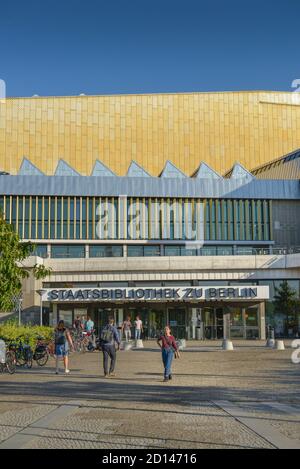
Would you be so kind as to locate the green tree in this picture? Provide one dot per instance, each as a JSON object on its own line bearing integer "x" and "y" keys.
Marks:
{"x": 12, "y": 271}
{"x": 285, "y": 302}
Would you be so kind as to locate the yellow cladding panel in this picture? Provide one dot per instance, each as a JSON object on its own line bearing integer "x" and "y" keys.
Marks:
{"x": 218, "y": 128}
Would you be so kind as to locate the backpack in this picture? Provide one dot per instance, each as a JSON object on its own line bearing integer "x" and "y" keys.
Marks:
{"x": 60, "y": 337}
{"x": 107, "y": 334}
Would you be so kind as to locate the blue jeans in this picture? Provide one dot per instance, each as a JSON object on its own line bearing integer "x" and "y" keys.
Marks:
{"x": 137, "y": 334}
{"x": 167, "y": 357}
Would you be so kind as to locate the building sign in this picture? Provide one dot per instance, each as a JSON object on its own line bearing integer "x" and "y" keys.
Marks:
{"x": 157, "y": 294}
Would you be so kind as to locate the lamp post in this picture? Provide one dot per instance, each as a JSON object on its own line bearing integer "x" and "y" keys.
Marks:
{"x": 41, "y": 292}
{"x": 17, "y": 301}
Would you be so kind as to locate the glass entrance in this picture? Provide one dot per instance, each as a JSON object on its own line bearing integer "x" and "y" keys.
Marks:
{"x": 213, "y": 323}
{"x": 153, "y": 318}
{"x": 101, "y": 316}
{"x": 177, "y": 321}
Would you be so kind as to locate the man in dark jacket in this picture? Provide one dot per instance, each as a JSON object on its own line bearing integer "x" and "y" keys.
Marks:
{"x": 108, "y": 338}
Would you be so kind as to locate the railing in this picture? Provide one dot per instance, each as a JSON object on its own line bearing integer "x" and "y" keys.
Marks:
{"x": 238, "y": 251}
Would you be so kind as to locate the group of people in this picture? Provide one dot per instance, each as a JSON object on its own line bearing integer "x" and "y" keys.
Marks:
{"x": 127, "y": 326}
{"x": 82, "y": 325}
{"x": 110, "y": 341}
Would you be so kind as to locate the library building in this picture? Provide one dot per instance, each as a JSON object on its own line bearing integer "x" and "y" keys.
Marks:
{"x": 183, "y": 209}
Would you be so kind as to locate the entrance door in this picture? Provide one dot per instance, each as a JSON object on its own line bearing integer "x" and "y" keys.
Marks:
{"x": 213, "y": 323}
{"x": 177, "y": 320}
{"x": 101, "y": 317}
{"x": 153, "y": 318}
{"x": 219, "y": 323}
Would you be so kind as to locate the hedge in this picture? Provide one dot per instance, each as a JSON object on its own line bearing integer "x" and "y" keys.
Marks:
{"x": 11, "y": 331}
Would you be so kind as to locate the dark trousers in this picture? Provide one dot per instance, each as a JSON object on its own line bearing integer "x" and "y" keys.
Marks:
{"x": 109, "y": 351}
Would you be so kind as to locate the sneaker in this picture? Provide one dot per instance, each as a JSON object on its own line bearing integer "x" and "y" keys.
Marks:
{"x": 166, "y": 380}
{"x": 112, "y": 374}
{"x": 170, "y": 376}
{"x": 56, "y": 372}
{"x": 106, "y": 376}
{"x": 67, "y": 371}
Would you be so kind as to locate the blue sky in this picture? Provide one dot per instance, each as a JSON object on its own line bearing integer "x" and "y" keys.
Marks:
{"x": 128, "y": 46}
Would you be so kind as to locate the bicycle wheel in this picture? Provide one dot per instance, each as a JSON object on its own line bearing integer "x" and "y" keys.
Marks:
{"x": 76, "y": 345}
{"x": 10, "y": 362}
{"x": 28, "y": 358}
{"x": 42, "y": 358}
{"x": 20, "y": 358}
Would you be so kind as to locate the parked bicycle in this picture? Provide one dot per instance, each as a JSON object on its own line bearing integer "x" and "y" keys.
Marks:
{"x": 84, "y": 342}
{"x": 23, "y": 353}
{"x": 41, "y": 353}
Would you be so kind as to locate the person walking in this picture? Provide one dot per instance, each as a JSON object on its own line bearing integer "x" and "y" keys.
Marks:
{"x": 109, "y": 338}
{"x": 138, "y": 324}
{"x": 168, "y": 347}
{"x": 63, "y": 341}
{"x": 89, "y": 325}
{"x": 126, "y": 327}
{"x": 77, "y": 324}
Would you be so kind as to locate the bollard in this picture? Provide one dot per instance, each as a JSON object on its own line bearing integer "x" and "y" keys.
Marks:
{"x": 227, "y": 344}
{"x": 139, "y": 343}
{"x": 181, "y": 344}
{"x": 271, "y": 337}
{"x": 280, "y": 345}
{"x": 270, "y": 343}
{"x": 127, "y": 346}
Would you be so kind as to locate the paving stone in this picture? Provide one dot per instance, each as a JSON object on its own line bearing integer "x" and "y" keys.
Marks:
{"x": 39, "y": 409}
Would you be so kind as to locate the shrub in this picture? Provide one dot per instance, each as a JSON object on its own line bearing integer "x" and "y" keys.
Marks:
{"x": 28, "y": 334}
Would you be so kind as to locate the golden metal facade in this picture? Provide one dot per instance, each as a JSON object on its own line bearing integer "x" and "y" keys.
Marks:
{"x": 218, "y": 128}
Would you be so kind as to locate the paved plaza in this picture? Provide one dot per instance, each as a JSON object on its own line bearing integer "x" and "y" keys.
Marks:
{"x": 246, "y": 398}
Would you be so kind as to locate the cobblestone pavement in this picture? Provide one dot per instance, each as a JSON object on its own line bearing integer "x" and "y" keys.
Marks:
{"x": 246, "y": 398}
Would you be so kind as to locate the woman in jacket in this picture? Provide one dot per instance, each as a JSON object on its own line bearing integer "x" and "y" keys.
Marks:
{"x": 169, "y": 347}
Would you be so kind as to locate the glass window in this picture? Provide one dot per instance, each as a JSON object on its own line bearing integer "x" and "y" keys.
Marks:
{"x": 172, "y": 250}
{"x": 40, "y": 250}
{"x": 209, "y": 251}
{"x": 106, "y": 251}
{"x": 188, "y": 251}
{"x": 224, "y": 250}
{"x": 67, "y": 317}
{"x": 68, "y": 251}
{"x": 244, "y": 250}
{"x": 151, "y": 250}
{"x": 46, "y": 218}
{"x": 20, "y": 217}
{"x": 251, "y": 316}
{"x": 135, "y": 251}
{"x": 236, "y": 318}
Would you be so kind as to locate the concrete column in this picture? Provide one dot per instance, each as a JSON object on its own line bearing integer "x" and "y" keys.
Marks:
{"x": 54, "y": 306}
{"x": 161, "y": 249}
{"x": 124, "y": 250}
{"x": 48, "y": 250}
{"x": 226, "y": 324}
{"x": 121, "y": 314}
{"x": 244, "y": 322}
{"x": 262, "y": 320}
{"x": 87, "y": 251}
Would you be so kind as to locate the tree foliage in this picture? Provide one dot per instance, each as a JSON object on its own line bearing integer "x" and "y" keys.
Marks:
{"x": 13, "y": 253}
{"x": 285, "y": 301}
